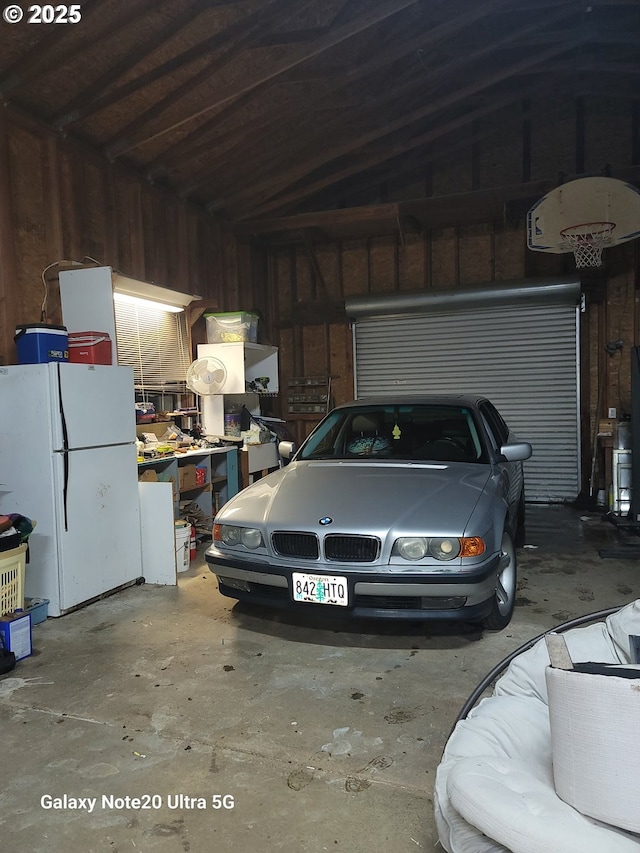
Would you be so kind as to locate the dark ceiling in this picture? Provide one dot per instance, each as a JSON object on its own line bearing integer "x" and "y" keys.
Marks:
{"x": 267, "y": 108}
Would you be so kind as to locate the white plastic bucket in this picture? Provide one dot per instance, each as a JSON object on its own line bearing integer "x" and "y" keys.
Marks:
{"x": 183, "y": 535}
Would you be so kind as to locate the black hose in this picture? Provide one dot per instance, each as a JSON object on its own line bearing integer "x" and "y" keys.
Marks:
{"x": 504, "y": 663}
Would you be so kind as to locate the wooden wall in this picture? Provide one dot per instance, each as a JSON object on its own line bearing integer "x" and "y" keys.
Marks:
{"x": 59, "y": 200}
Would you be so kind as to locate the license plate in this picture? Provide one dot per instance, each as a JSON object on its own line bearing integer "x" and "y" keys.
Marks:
{"x": 320, "y": 589}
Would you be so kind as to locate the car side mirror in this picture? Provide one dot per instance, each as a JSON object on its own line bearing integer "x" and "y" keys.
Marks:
{"x": 286, "y": 449}
{"x": 516, "y": 452}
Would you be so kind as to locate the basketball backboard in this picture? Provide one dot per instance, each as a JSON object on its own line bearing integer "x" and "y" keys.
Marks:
{"x": 584, "y": 216}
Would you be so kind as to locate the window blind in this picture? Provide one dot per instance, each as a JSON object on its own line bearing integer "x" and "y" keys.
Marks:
{"x": 155, "y": 343}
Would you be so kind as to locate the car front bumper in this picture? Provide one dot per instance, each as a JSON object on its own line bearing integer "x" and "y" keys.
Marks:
{"x": 466, "y": 596}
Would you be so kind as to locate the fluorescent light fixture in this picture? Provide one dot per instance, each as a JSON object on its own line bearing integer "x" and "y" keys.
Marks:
{"x": 169, "y": 300}
{"x": 148, "y": 303}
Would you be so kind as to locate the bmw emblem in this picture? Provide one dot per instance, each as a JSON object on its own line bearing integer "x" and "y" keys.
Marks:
{"x": 326, "y": 520}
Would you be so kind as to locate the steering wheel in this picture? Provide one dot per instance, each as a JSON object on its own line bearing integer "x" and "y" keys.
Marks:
{"x": 456, "y": 452}
{"x": 449, "y": 440}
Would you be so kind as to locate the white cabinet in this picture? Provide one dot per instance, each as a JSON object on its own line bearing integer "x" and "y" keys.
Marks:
{"x": 252, "y": 369}
{"x": 245, "y": 364}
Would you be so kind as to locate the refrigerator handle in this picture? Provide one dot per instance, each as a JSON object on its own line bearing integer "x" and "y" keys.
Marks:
{"x": 65, "y": 450}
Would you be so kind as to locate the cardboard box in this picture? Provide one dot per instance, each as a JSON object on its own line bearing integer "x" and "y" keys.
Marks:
{"x": 148, "y": 476}
{"x": 188, "y": 478}
{"x": 15, "y": 633}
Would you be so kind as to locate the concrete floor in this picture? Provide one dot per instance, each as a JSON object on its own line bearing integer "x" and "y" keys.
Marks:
{"x": 310, "y": 736}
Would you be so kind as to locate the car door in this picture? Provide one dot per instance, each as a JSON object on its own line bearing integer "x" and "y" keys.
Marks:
{"x": 500, "y": 434}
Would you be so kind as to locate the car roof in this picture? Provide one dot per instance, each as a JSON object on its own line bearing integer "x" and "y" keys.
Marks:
{"x": 416, "y": 399}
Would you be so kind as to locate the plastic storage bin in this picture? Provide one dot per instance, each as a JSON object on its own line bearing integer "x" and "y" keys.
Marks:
{"x": 38, "y": 343}
{"x": 89, "y": 348}
{"x": 38, "y": 608}
{"x": 232, "y": 327}
{"x": 12, "y": 568}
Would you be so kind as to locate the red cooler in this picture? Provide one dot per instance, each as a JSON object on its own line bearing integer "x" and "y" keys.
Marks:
{"x": 89, "y": 348}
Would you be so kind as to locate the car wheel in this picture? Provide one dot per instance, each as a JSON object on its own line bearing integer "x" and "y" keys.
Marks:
{"x": 520, "y": 536}
{"x": 504, "y": 597}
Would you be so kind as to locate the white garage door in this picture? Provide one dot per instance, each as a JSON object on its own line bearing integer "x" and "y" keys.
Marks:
{"x": 517, "y": 346}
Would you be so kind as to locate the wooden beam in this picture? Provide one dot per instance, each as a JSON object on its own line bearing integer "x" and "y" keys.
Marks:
{"x": 195, "y": 142}
{"x": 199, "y": 141}
{"x": 270, "y": 185}
{"x": 230, "y": 38}
{"x": 131, "y": 137}
{"x": 436, "y": 212}
{"x": 428, "y": 109}
{"x": 88, "y": 102}
{"x": 35, "y": 62}
{"x": 252, "y": 184}
{"x": 8, "y": 257}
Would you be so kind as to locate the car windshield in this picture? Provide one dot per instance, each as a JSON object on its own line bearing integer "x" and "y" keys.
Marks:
{"x": 420, "y": 432}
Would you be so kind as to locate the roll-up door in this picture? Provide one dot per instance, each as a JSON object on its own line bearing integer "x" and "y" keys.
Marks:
{"x": 521, "y": 354}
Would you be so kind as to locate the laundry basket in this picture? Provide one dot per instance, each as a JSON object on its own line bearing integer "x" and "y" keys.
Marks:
{"x": 12, "y": 568}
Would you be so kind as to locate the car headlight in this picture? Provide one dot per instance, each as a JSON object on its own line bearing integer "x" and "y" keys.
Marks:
{"x": 250, "y": 537}
{"x": 440, "y": 548}
{"x": 444, "y": 549}
{"x": 230, "y": 535}
{"x": 412, "y": 548}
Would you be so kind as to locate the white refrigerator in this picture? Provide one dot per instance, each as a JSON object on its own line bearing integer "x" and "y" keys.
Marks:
{"x": 68, "y": 462}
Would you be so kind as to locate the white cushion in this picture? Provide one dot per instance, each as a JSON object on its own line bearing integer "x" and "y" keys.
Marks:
{"x": 511, "y": 805}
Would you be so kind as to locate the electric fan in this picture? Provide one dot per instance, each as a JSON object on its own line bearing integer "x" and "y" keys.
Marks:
{"x": 206, "y": 376}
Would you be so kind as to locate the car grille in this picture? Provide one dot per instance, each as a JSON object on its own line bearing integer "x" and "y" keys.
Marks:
{"x": 351, "y": 549}
{"x": 302, "y": 545}
{"x": 337, "y": 547}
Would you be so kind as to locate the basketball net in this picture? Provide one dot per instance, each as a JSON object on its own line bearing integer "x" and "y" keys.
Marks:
{"x": 587, "y": 241}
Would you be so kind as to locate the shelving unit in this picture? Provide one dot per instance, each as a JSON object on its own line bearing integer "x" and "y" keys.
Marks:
{"x": 309, "y": 395}
{"x": 250, "y": 367}
{"x": 219, "y": 481}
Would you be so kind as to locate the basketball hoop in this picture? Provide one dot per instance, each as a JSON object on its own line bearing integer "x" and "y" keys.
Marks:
{"x": 587, "y": 241}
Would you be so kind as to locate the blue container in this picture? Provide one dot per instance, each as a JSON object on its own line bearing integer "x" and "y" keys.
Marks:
{"x": 38, "y": 343}
{"x": 38, "y": 608}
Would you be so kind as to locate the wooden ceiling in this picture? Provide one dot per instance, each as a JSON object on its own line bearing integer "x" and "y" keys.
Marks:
{"x": 261, "y": 109}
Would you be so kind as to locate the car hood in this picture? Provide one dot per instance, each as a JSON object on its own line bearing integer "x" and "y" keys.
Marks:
{"x": 362, "y": 497}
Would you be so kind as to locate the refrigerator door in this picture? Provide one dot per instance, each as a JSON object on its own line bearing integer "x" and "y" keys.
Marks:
{"x": 98, "y": 522}
{"x": 93, "y": 405}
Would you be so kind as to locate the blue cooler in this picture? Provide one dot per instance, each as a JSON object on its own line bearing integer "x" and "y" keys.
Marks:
{"x": 39, "y": 342}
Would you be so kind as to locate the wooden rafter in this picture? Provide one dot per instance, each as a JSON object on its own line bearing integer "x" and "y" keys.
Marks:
{"x": 131, "y": 137}
{"x": 34, "y": 62}
{"x": 428, "y": 109}
{"x": 254, "y": 185}
{"x": 92, "y": 98}
{"x": 230, "y": 38}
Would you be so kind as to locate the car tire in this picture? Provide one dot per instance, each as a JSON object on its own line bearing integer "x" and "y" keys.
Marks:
{"x": 504, "y": 597}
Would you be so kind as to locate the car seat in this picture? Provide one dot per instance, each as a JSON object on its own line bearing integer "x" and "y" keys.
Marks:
{"x": 367, "y": 438}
